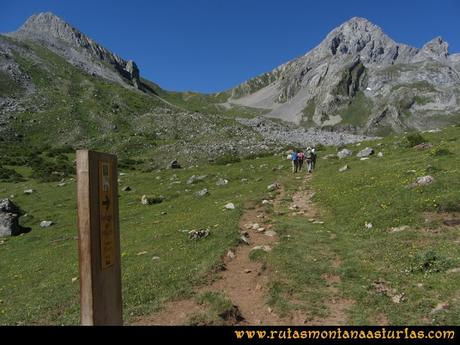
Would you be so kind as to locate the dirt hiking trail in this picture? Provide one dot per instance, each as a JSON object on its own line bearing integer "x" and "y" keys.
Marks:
{"x": 245, "y": 281}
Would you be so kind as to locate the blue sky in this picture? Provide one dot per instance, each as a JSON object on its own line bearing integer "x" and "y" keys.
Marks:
{"x": 213, "y": 45}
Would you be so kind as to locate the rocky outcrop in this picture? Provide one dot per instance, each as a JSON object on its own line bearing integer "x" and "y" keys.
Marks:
{"x": 77, "y": 48}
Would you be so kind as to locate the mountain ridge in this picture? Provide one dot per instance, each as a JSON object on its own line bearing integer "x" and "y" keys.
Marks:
{"x": 85, "y": 53}
{"x": 318, "y": 87}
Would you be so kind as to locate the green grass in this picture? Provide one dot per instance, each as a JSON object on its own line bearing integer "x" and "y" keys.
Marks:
{"x": 374, "y": 191}
{"x": 218, "y": 309}
{"x": 36, "y": 279}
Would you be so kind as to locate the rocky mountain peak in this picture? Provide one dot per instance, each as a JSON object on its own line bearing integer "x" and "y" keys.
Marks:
{"x": 54, "y": 33}
{"x": 360, "y": 37}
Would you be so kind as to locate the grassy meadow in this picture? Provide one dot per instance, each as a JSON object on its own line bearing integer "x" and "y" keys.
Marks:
{"x": 160, "y": 263}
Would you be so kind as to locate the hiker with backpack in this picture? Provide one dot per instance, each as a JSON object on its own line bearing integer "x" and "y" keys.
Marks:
{"x": 300, "y": 159}
{"x": 313, "y": 161}
{"x": 309, "y": 157}
{"x": 295, "y": 162}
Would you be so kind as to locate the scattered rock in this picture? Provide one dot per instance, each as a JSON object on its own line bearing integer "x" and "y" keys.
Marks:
{"x": 425, "y": 180}
{"x": 329, "y": 156}
{"x": 126, "y": 189}
{"x": 368, "y": 225}
{"x": 174, "y": 165}
{"x": 380, "y": 154}
{"x": 198, "y": 234}
{"x": 454, "y": 270}
{"x": 383, "y": 287}
{"x": 273, "y": 187}
{"x": 244, "y": 240}
{"x": 243, "y": 180}
{"x": 265, "y": 202}
{"x": 202, "y": 192}
{"x": 364, "y": 159}
{"x": 397, "y": 298}
{"x": 150, "y": 200}
{"x": 423, "y": 146}
{"x": 154, "y": 258}
{"x": 255, "y": 226}
{"x": 194, "y": 179}
{"x": 247, "y": 270}
{"x": 421, "y": 181}
{"x": 400, "y": 228}
{"x": 28, "y": 191}
{"x": 344, "y": 153}
{"x": 229, "y": 206}
{"x": 46, "y": 223}
{"x": 62, "y": 184}
{"x": 265, "y": 248}
{"x": 142, "y": 253}
{"x": 451, "y": 222}
{"x": 74, "y": 279}
{"x": 9, "y": 219}
{"x": 270, "y": 233}
{"x": 365, "y": 153}
{"x": 318, "y": 222}
{"x": 344, "y": 168}
{"x": 440, "y": 307}
{"x": 231, "y": 254}
{"x": 221, "y": 182}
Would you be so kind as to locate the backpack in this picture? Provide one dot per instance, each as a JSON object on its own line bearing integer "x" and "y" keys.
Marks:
{"x": 309, "y": 155}
{"x": 300, "y": 156}
{"x": 293, "y": 156}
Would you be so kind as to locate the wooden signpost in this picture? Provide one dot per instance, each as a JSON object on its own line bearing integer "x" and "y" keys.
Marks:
{"x": 98, "y": 239}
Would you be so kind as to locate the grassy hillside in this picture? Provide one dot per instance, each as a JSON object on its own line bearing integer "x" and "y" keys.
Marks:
{"x": 159, "y": 263}
{"x": 70, "y": 107}
{"x": 36, "y": 277}
{"x": 418, "y": 262}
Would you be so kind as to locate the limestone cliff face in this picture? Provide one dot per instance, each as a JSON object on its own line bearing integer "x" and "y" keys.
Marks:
{"x": 360, "y": 79}
{"x": 77, "y": 48}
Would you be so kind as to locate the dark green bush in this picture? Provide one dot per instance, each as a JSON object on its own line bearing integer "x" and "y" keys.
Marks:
{"x": 258, "y": 155}
{"x": 449, "y": 206}
{"x": 430, "y": 262}
{"x": 227, "y": 159}
{"x": 439, "y": 151}
{"x": 413, "y": 139}
{"x": 129, "y": 163}
{"x": 10, "y": 175}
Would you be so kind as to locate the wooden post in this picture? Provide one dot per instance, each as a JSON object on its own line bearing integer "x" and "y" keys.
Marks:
{"x": 98, "y": 239}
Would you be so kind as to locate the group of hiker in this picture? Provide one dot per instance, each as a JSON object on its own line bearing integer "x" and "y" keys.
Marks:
{"x": 298, "y": 157}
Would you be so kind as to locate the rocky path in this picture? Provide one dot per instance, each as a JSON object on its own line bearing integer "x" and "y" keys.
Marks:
{"x": 245, "y": 281}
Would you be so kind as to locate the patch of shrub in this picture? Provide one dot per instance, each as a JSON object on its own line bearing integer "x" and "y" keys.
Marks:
{"x": 430, "y": 262}
{"x": 413, "y": 139}
{"x": 430, "y": 169}
{"x": 439, "y": 151}
{"x": 129, "y": 163}
{"x": 55, "y": 151}
{"x": 227, "y": 158}
{"x": 51, "y": 171}
{"x": 320, "y": 147}
{"x": 258, "y": 155}
{"x": 10, "y": 175}
{"x": 448, "y": 206}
